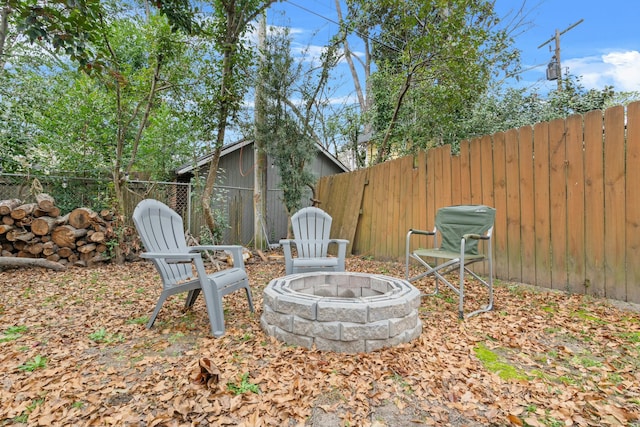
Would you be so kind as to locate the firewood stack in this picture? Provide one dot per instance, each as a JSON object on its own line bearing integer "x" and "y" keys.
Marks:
{"x": 36, "y": 230}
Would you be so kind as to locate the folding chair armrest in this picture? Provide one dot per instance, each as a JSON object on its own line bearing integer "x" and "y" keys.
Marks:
{"x": 475, "y": 237}
{"x": 408, "y": 245}
{"x": 169, "y": 258}
{"x": 236, "y": 252}
{"x": 423, "y": 232}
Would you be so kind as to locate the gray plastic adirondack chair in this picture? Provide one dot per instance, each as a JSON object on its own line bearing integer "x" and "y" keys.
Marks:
{"x": 181, "y": 267}
{"x": 459, "y": 229}
{"x": 311, "y": 228}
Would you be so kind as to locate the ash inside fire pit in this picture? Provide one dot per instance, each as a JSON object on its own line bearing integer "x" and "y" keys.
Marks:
{"x": 344, "y": 312}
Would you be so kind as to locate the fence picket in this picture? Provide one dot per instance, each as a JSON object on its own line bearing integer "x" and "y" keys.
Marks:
{"x": 632, "y": 249}
{"x": 614, "y": 194}
{"x": 575, "y": 205}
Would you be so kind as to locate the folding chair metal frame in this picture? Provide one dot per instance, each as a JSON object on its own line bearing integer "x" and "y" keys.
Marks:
{"x": 455, "y": 259}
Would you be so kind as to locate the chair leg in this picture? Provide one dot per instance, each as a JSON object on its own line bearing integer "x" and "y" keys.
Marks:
{"x": 161, "y": 300}
{"x": 191, "y": 298}
{"x": 213, "y": 300}
{"x": 249, "y": 298}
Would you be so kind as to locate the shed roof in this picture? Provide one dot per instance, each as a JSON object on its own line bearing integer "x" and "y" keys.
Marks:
{"x": 230, "y": 148}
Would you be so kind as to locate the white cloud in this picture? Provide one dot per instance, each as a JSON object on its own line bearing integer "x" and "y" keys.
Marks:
{"x": 617, "y": 69}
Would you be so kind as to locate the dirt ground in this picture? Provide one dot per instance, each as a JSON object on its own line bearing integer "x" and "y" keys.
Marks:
{"x": 74, "y": 351}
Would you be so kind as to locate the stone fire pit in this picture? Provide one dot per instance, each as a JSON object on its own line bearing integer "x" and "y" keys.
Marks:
{"x": 344, "y": 312}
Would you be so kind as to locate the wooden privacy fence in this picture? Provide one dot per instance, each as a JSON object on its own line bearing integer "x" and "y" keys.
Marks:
{"x": 566, "y": 194}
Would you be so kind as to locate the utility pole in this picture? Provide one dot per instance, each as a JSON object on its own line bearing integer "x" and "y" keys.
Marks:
{"x": 554, "y": 69}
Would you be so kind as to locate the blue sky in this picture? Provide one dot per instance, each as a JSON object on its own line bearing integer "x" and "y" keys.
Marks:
{"x": 604, "y": 49}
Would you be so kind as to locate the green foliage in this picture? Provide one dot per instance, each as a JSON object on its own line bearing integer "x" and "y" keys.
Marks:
{"x": 433, "y": 61}
{"x": 102, "y": 336}
{"x": 286, "y": 131}
{"x": 12, "y": 333}
{"x": 244, "y": 386}
{"x": 38, "y": 362}
{"x": 492, "y": 362}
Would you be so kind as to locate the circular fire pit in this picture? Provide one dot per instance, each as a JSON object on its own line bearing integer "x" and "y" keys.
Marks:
{"x": 344, "y": 312}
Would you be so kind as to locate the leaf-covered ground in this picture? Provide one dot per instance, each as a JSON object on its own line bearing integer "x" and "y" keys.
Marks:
{"x": 74, "y": 351}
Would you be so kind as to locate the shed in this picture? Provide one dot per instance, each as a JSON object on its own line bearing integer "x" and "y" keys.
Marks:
{"x": 235, "y": 184}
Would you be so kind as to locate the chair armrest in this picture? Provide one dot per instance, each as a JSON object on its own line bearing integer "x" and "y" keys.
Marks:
{"x": 288, "y": 258}
{"x": 475, "y": 237}
{"x": 423, "y": 232}
{"x": 236, "y": 252}
{"x": 171, "y": 258}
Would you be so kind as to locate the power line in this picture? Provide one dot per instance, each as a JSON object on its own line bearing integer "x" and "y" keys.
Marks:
{"x": 333, "y": 21}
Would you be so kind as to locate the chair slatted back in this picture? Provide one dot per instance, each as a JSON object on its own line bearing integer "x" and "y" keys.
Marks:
{"x": 161, "y": 230}
{"x": 311, "y": 228}
{"x": 452, "y": 222}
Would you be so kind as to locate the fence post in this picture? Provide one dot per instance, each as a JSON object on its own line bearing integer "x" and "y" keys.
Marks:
{"x": 189, "y": 207}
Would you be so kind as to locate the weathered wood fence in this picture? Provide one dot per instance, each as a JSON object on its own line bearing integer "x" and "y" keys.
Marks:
{"x": 566, "y": 193}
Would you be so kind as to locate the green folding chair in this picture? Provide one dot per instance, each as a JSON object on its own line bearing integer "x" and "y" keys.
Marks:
{"x": 456, "y": 236}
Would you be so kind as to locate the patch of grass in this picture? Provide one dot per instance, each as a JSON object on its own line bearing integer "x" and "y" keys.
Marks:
{"x": 587, "y": 362}
{"x": 138, "y": 321}
{"x": 24, "y": 417}
{"x": 12, "y": 333}
{"x": 38, "y": 362}
{"x": 491, "y": 361}
{"x": 175, "y": 337}
{"x": 406, "y": 387}
{"x": 102, "y": 336}
{"x": 244, "y": 386}
{"x": 584, "y": 315}
{"x": 633, "y": 337}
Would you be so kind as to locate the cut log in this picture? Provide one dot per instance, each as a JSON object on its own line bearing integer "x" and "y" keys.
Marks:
{"x": 65, "y": 252}
{"x": 82, "y": 217}
{"x": 84, "y": 249}
{"x": 49, "y": 248}
{"x": 53, "y": 257}
{"x": 43, "y": 225}
{"x": 5, "y": 228}
{"x": 45, "y": 202}
{"x": 34, "y": 248}
{"x": 19, "y": 234}
{"x": 65, "y": 236}
{"x": 97, "y": 237}
{"x": 14, "y": 262}
{"x": 6, "y": 206}
{"x": 106, "y": 214}
{"x": 53, "y": 212}
{"x": 63, "y": 219}
{"x": 23, "y": 211}
{"x": 6, "y": 219}
{"x": 25, "y": 254}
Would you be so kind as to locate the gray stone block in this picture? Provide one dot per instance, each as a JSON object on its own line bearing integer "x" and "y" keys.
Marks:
{"x": 297, "y": 305}
{"x": 400, "y": 324}
{"x": 328, "y": 311}
{"x": 293, "y": 339}
{"x": 368, "y": 331}
{"x": 340, "y": 346}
